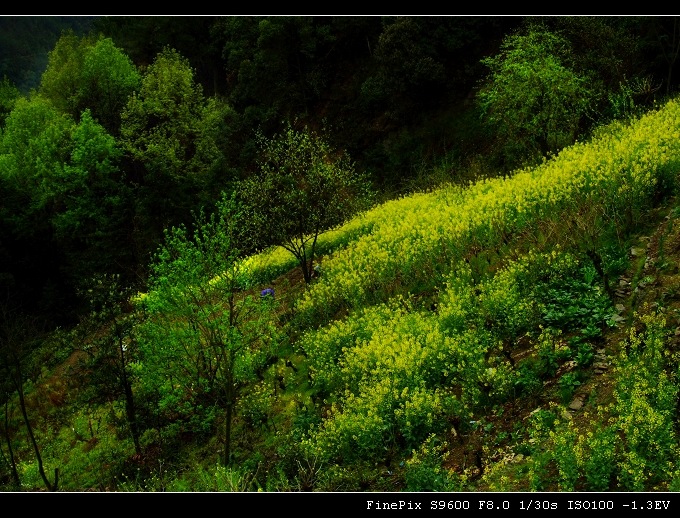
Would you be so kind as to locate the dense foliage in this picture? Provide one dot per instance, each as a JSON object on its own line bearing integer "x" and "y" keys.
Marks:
{"x": 289, "y": 253}
{"x": 302, "y": 188}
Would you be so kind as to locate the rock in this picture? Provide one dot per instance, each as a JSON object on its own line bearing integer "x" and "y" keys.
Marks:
{"x": 577, "y": 403}
{"x": 600, "y": 367}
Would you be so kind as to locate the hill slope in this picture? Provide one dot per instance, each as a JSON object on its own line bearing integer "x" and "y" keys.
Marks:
{"x": 515, "y": 334}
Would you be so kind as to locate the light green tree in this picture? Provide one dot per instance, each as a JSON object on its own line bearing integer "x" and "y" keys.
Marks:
{"x": 90, "y": 73}
{"x": 204, "y": 338}
{"x": 169, "y": 130}
{"x": 60, "y": 83}
{"x": 532, "y": 99}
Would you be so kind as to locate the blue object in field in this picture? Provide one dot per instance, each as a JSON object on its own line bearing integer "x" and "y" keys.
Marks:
{"x": 267, "y": 292}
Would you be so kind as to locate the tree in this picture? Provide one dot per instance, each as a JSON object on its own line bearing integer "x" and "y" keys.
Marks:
{"x": 169, "y": 131}
{"x": 108, "y": 79}
{"x": 34, "y": 146}
{"x": 532, "y": 98}
{"x": 303, "y": 188}
{"x": 203, "y": 338}
{"x": 667, "y": 31}
{"x": 66, "y": 195}
{"x": 9, "y": 93}
{"x": 143, "y": 37}
{"x": 277, "y": 65}
{"x": 89, "y": 73}
{"x": 111, "y": 348}
{"x": 409, "y": 71}
{"x": 60, "y": 82}
{"x": 91, "y": 206}
{"x": 19, "y": 336}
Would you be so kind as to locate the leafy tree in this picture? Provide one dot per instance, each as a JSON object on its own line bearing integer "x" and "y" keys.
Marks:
{"x": 610, "y": 51}
{"x": 34, "y": 146}
{"x": 143, "y": 37}
{"x": 89, "y": 73}
{"x": 281, "y": 67}
{"x": 169, "y": 131}
{"x": 409, "y": 68}
{"x": 108, "y": 79}
{"x": 276, "y": 64}
{"x": 303, "y": 188}
{"x": 61, "y": 80}
{"x": 204, "y": 338}
{"x": 65, "y": 194}
{"x": 604, "y": 47}
{"x": 9, "y": 93}
{"x": 92, "y": 203}
{"x": 532, "y": 98}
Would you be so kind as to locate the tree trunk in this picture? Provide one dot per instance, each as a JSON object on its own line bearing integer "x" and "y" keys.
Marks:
{"x": 130, "y": 411}
{"x": 10, "y": 451}
{"x": 227, "y": 433}
{"x": 22, "y": 404}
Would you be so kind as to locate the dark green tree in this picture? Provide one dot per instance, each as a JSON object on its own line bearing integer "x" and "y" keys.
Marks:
{"x": 410, "y": 66}
{"x": 92, "y": 205}
{"x": 9, "y": 93}
{"x": 276, "y": 66}
{"x": 67, "y": 200}
{"x": 303, "y": 188}
{"x": 282, "y": 67}
{"x": 34, "y": 146}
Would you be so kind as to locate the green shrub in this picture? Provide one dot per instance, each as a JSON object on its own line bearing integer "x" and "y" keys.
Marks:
{"x": 425, "y": 471}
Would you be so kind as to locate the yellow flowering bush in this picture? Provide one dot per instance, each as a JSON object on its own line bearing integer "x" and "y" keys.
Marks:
{"x": 646, "y": 399}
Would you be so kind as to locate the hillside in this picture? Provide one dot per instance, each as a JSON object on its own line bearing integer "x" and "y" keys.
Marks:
{"x": 648, "y": 286}
{"x": 339, "y": 254}
{"x": 515, "y": 334}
